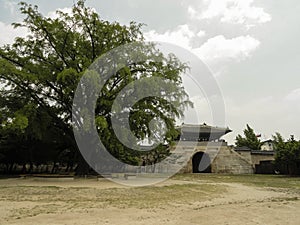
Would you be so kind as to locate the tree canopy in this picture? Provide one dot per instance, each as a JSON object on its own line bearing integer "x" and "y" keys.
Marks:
{"x": 39, "y": 75}
{"x": 249, "y": 140}
{"x": 287, "y": 156}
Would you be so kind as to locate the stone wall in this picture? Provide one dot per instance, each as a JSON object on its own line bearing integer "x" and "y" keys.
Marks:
{"x": 245, "y": 154}
{"x": 223, "y": 159}
{"x": 256, "y": 158}
{"x": 229, "y": 161}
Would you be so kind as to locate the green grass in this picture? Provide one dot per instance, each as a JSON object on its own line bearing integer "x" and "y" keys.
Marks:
{"x": 140, "y": 197}
{"x": 51, "y": 199}
{"x": 271, "y": 181}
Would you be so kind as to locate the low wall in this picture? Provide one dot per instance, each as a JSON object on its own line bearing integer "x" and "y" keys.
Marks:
{"x": 256, "y": 158}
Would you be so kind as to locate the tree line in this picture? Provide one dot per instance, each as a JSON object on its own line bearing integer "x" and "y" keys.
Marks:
{"x": 287, "y": 152}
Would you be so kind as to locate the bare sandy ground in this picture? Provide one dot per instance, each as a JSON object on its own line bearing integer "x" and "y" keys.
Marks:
{"x": 27, "y": 201}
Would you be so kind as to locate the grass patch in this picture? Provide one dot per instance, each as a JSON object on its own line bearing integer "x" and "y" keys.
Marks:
{"x": 138, "y": 197}
{"x": 272, "y": 181}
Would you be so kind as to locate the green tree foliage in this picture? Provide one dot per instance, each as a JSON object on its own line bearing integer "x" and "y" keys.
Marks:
{"x": 287, "y": 156}
{"x": 39, "y": 75}
{"x": 249, "y": 140}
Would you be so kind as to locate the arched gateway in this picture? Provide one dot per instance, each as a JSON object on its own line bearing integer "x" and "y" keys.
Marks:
{"x": 201, "y": 163}
{"x": 205, "y": 136}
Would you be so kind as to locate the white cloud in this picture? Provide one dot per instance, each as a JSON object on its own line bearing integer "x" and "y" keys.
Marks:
{"x": 219, "y": 48}
{"x": 294, "y": 95}
{"x": 68, "y": 10}
{"x": 8, "y": 33}
{"x": 231, "y": 11}
{"x": 54, "y": 15}
{"x": 201, "y": 33}
{"x": 215, "y": 8}
{"x": 192, "y": 12}
{"x": 215, "y": 52}
{"x": 181, "y": 36}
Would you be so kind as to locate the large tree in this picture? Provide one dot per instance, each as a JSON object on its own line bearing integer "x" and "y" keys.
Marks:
{"x": 287, "y": 157}
{"x": 249, "y": 140}
{"x": 39, "y": 75}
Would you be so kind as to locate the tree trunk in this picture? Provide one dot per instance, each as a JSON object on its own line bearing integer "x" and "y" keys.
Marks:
{"x": 24, "y": 170}
{"x": 82, "y": 167}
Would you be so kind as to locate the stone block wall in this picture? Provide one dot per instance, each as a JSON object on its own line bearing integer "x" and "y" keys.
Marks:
{"x": 256, "y": 158}
{"x": 223, "y": 159}
{"x": 229, "y": 161}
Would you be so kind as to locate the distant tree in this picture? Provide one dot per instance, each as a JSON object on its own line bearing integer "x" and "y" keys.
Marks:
{"x": 278, "y": 141}
{"x": 249, "y": 140}
{"x": 287, "y": 157}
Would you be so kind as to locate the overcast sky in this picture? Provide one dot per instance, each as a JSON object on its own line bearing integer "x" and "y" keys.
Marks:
{"x": 251, "y": 46}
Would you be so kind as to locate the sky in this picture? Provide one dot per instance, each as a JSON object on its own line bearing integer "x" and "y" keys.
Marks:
{"x": 251, "y": 47}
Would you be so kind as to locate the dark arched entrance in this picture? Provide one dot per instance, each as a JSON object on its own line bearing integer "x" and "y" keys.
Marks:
{"x": 201, "y": 163}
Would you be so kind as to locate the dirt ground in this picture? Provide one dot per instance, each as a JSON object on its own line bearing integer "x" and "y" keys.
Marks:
{"x": 184, "y": 199}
